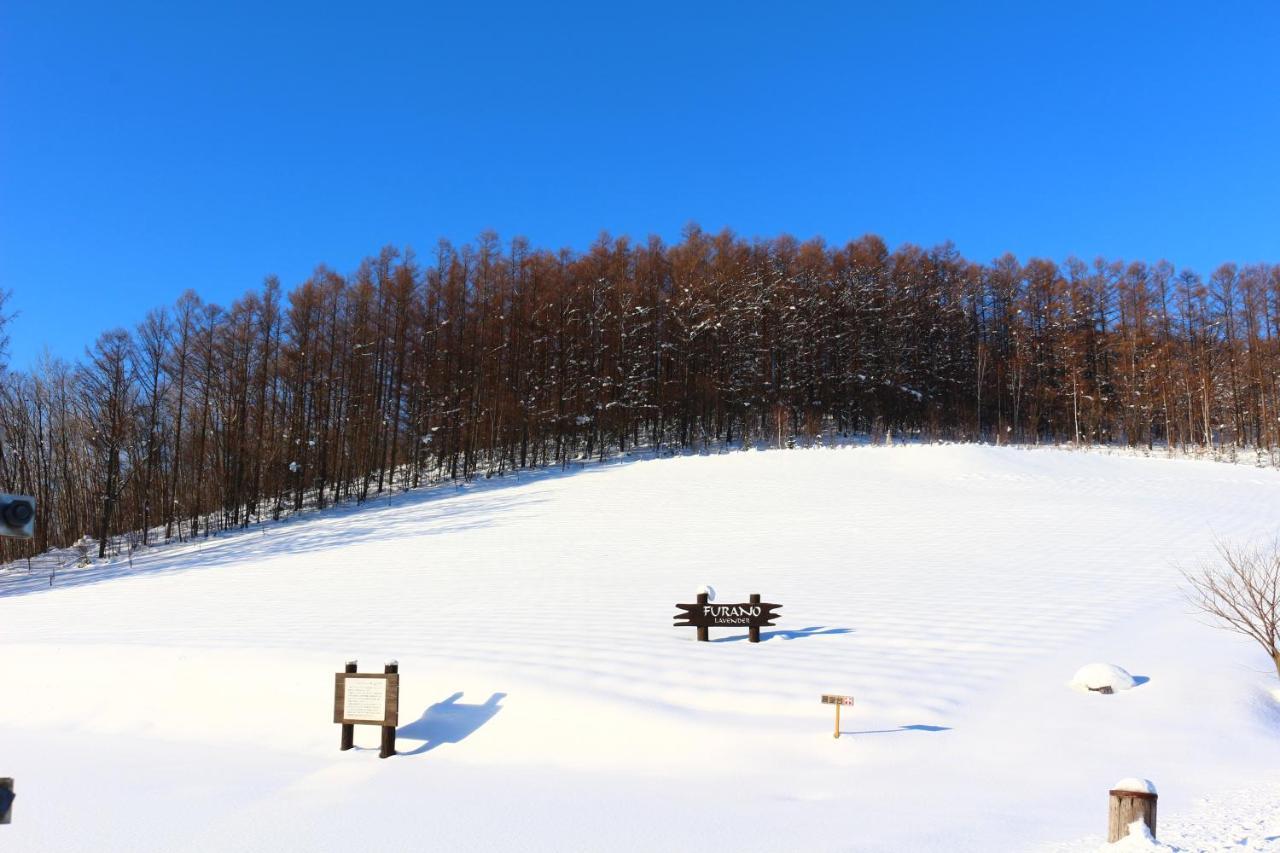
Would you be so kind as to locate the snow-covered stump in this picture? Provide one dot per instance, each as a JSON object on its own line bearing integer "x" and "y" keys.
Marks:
{"x": 1132, "y": 800}
{"x": 348, "y": 729}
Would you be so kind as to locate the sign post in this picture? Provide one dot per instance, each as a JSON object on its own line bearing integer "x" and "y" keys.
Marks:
{"x": 388, "y": 746}
{"x": 833, "y": 699}
{"x": 348, "y": 730}
{"x": 752, "y": 615}
{"x": 370, "y": 699}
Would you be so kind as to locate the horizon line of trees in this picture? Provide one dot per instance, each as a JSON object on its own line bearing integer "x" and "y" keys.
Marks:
{"x": 489, "y": 358}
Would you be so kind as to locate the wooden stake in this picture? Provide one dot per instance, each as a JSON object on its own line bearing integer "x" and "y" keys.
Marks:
{"x": 704, "y": 633}
{"x": 389, "y": 732}
{"x": 837, "y": 734}
{"x": 753, "y": 633}
{"x": 1127, "y": 807}
{"x": 348, "y": 730}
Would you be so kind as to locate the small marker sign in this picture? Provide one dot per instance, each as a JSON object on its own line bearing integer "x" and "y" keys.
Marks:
{"x": 837, "y": 700}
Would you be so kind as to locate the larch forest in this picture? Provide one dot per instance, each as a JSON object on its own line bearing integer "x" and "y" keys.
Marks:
{"x": 493, "y": 357}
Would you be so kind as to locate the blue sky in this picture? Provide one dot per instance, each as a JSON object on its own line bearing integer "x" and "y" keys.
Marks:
{"x": 150, "y": 148}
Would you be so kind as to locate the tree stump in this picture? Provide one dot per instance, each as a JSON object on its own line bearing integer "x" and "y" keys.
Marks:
{"x": 1128, "y": 806}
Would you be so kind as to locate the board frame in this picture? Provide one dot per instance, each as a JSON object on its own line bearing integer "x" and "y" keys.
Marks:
{"x": 391, "y": 710}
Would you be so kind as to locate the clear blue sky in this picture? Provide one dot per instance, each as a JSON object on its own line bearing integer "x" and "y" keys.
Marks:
{"x": 148, "y": 148}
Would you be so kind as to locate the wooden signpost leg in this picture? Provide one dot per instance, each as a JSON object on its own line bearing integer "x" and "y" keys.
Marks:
{"x": 704, "y": 633}
{"x": 753, "y": 633}
{"x": 389, "y": 732}
{"x": 348, "y": 730}
{"x": 837, "y": 734}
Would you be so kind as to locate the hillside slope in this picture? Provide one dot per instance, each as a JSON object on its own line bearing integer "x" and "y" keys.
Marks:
{"x": 548, "y": 704}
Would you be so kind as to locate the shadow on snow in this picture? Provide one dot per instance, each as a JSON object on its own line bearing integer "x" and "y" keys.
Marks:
{"x": 412, "y": 514}
{"x": 449, "y": 721}
{"x": 795, "y": 634}
{"x": 916, "y": 728}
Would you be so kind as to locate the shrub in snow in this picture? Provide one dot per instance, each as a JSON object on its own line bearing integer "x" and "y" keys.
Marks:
{"x": 709, "y": 590}
{"x": 1102, "y": 678}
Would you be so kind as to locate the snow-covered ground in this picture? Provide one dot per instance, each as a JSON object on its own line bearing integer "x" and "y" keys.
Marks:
{"x": 548, "y": 704}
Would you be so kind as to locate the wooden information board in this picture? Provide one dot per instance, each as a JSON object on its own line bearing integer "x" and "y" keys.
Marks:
{"x": 366, "y": 698}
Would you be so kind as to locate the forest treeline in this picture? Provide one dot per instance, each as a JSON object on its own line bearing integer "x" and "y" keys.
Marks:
{"x": 488, "y": 357}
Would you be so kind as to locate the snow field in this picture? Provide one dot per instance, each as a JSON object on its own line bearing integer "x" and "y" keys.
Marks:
{"x": 953, "y": 590}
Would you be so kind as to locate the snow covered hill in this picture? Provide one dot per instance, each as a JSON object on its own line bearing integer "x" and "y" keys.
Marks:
{"x": 548, "y": 704}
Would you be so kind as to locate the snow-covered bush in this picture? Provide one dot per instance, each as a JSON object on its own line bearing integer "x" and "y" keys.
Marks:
{"x": 1102, "y": 678}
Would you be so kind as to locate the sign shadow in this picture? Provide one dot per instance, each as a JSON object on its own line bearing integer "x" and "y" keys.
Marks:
{"x": 449, "y": 721}
{"x": 794, "y": 634}
{"x": 916, "y": 728}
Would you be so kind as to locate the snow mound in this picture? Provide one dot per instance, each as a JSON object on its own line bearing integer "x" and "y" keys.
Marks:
{"x": 709, "y": 590}
{"x": 1102, "y": 677}
{"x": 1139, "y": 838}
{"x": 1133, "y": 783}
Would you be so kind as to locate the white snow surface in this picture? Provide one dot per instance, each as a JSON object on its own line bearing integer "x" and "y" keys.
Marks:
{"x": 547, "y": 702}
{"x": 1133, "y": 783}
{"x": 1229, "y": 822}
{"x": 1096, "y": 676}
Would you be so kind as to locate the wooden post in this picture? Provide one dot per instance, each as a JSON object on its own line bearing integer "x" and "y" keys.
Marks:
{"x": 348, "y": 730}
{"x": 704, "y": 633}
{"x": 1127, "y": 807}
{"x": 753, "y": 633}
{"x": 389, "y": 732}
{"x": 6, "y": 800}
{"x": 837, "y": 734}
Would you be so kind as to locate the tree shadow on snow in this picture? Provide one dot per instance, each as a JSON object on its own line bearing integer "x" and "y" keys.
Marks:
{"x": 406, "y": 515}
{"x": 816, "y": 631}
{"x": 916, "y": 728}
{"x": 449, "y": 721}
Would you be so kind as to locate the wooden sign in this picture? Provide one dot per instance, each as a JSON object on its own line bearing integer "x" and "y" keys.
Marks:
{"x": 839, "y": 701}
{"x": 753, "y": 615}
{"x": 366, "y": 698}
{"x": 727, "y": 615}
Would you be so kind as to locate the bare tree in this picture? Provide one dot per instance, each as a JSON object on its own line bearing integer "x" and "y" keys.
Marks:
{"x": 483, "y": 359}
{"x": 1241, "y": 592}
